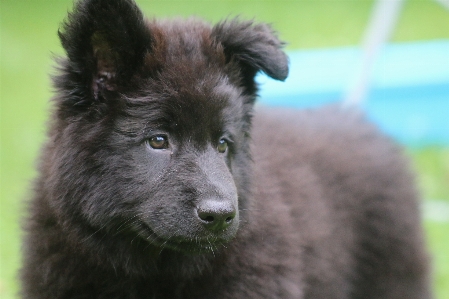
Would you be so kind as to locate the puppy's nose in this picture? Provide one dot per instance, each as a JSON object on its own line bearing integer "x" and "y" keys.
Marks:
{"x": 216, "y": 215}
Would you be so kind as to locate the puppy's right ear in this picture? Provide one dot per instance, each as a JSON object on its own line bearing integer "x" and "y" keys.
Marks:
{"x": 255, "y": 47}
{"x": 106, "y": 42}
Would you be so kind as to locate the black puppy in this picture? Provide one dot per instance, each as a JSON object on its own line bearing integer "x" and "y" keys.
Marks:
{"x": 147, "y": 187}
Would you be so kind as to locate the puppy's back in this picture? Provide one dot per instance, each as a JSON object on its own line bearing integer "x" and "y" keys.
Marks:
{"x": 349, "y": 195}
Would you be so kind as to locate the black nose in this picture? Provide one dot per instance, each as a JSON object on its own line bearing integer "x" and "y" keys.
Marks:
{"x": 216, "y": 215}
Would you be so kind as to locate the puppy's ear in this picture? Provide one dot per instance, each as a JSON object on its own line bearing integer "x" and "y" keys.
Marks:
{"x": 106, "y": 42}
{"x": 255, "y": 46}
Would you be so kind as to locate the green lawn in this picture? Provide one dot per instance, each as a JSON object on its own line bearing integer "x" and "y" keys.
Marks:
{"x": 28, "y": 37}
{"x": 432, "y": 165}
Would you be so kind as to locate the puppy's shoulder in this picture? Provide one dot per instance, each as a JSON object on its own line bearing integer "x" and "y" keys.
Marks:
{"x": 333, "y": 141}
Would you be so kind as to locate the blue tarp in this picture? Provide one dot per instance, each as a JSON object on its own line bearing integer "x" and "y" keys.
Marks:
{"x": 409, "y": 91}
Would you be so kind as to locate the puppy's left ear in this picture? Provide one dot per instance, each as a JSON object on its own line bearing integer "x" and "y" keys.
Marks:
{"x": 255, "y": 46}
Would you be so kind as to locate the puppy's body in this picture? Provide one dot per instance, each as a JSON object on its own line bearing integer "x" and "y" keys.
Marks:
{"x": 147, "y": 187}
{"x": 356, "y": 209}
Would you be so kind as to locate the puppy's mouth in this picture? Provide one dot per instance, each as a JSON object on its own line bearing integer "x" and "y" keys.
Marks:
{"x": 191, "y": 245}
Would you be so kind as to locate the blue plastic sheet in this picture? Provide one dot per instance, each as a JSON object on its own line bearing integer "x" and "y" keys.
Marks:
{"x": 409, "y": 88}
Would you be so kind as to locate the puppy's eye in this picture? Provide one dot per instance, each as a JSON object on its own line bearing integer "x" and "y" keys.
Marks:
{"x": 222, "y": 145}
{"x": 158, "y": 142}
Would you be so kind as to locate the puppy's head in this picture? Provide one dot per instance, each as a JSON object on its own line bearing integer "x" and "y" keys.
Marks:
{"x": 152, "y": 123}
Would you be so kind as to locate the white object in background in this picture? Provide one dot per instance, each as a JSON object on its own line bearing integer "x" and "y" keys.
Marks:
{"x": 445, "y": 3}
{"x": 383, "y": 20}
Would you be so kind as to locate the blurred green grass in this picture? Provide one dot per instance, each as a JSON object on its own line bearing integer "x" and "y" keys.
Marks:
{"x": 28, "y": 37}
{"x": 432, "y": 166}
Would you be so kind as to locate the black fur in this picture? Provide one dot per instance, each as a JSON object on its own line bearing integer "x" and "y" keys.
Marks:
{"x": 139, "y": 197}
